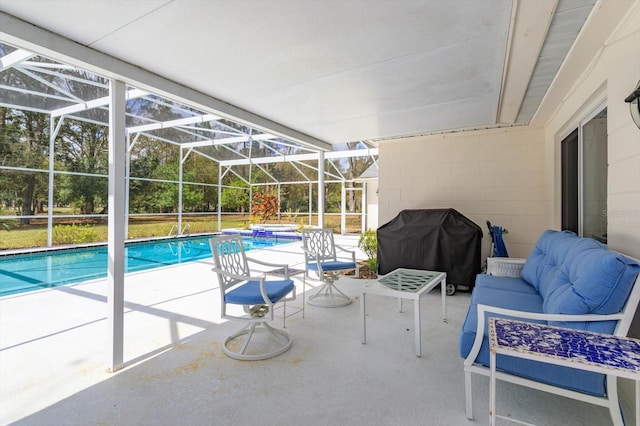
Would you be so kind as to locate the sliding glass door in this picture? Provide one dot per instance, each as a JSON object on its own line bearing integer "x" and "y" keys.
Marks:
{"x": 584, "y": 177}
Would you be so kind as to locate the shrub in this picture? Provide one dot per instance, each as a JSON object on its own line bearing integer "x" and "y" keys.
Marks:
{"x": 264, "y": 206}
{"x": 74, "y": 234}
{"x": 291, "y": 216}
{"x": 368, "y": 243}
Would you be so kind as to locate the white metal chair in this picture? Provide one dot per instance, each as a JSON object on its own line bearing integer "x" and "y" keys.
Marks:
{"x": 256, "y": 295}
{"x": 320, "y": 254}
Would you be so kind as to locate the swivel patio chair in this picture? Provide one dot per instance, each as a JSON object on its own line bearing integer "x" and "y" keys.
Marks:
{"x": 320, "y": 256}
{"x": 256, "y": 295}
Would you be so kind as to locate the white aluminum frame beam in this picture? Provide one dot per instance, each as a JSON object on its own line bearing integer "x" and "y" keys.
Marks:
{"x": 227, "y": 141}
{"x": 321, "y": 158}
{"x": 173, "y": 123}
{"x": 116, "y": 225}
{"x": 15, "y": 57}
{"x": 302, "y": 157}
{"x": 96, "y": 103}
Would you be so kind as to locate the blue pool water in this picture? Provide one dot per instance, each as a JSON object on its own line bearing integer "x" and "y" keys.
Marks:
{"x": 35, "y": 271}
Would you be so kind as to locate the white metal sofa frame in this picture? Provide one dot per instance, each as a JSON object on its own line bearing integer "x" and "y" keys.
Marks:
{"x": 321, "y": 257}
{"x": 256, "y": 294}
{"x": 610, "y": 400}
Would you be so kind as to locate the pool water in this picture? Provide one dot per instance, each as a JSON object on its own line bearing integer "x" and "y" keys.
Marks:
{"x": 34, "y": 271}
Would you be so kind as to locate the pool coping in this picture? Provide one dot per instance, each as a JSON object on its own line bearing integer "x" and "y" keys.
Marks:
{"x": 37, "y": 250}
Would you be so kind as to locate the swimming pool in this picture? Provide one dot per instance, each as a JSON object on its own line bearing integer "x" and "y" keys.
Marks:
{"x": 35, "y": 271}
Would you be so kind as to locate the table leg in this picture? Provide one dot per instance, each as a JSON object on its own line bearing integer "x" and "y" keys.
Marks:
{"x": 284, "y": 314}
{"x": 443, "y": 290}
{"x": 416, "y": 317}
{"x": 363, "y": 314}
{"x": 637, "y": 402}
{"x": 492, "y": 388}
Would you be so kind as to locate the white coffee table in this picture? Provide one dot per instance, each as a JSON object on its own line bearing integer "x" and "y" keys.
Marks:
{"x": 405, "y": 284}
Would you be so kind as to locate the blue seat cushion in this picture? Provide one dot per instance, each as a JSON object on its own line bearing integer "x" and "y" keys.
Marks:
{"x": 249, "y": 292}
{"x": 582, "y": 381}
{"x": 565, "y": 377}
{"x": 333, "y": 265}
{"x": 504, "y": 283}
{"x": 500, "y": 299}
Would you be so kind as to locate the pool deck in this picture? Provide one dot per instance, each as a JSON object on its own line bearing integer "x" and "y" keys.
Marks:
{"x": 53, "y": 361}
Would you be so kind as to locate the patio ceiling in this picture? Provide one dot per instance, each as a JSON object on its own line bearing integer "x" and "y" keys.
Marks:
{"x": 334, "y": 71}
{"x": 36, "y": 83}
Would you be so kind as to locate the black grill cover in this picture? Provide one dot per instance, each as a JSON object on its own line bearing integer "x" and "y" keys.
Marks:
{"x": 432, "y": 239}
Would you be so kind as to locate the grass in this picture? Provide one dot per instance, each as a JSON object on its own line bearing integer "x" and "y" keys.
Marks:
{"x": 35, "y": 234}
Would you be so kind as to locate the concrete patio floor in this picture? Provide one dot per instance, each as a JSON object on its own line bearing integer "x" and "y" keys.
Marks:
{"x": 53, "y": 361}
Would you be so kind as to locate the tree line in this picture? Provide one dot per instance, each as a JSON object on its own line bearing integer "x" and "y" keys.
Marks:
{"x": 80, "y": 159}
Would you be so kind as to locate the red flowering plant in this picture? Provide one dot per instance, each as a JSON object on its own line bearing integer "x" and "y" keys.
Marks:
{"x": 264, "y": 206}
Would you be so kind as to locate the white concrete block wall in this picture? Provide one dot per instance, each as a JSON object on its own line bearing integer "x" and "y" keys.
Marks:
{"x": 495, "y": 175}
{"x": 372, "y": 204}
{"x": 612, "y": 75}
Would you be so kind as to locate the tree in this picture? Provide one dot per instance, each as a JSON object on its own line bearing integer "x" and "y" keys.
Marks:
{"x": 25, "y": 143}
{"x": 147, "y": 159}
{"x": 236, "y": 198}
{"x": 84, "y": 148}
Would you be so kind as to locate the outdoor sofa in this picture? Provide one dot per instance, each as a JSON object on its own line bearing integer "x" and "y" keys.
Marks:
{"x": 566, "y": 281}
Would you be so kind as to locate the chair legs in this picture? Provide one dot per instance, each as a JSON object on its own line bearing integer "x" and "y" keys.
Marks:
{"x": 329, "y": 296}
{"x": 275, "y": 342}
{"x": 468, "y": 395}
{"x": 614, "y": 405}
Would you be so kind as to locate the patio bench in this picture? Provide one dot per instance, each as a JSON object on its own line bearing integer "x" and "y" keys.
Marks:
{"x": 566, "y": 281}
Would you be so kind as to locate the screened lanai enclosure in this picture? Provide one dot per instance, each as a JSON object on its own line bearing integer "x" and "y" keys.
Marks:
{"x": 183, "y": 164}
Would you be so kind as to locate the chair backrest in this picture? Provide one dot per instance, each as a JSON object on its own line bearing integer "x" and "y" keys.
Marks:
{"x": 630, "y": 307}
{"x": 318, "y": 242}
{"x": 229, "y": 256}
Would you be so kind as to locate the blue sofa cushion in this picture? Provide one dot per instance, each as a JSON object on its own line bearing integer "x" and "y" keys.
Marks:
{"x": 555, "y": 375}
{"x": 579, "y": 276}
{"x": 543, "y": 262}
{"x": 564, "y": 274}
{"x": 504, "y": 283}
{"x": 486, "y": 293}
{"x": 595, "y": 280}
{"x": 498, "y": 298}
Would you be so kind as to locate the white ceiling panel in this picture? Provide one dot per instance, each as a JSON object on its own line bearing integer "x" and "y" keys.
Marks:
{"x": 82, "y": 21}
{"x": 338, "y": 71}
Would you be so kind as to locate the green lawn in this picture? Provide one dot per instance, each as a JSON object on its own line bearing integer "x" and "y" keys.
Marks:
{"x": 35, "y": 235}
{"x": 73, "y": 232}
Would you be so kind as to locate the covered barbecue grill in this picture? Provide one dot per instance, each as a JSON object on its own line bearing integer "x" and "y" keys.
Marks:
{"x": 432, "y": 239}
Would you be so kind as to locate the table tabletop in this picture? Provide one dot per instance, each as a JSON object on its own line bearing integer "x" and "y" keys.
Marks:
{"x": 405, "y": 283}
{"x": 404, "y": 280}
{"x": 603, "y": 353}
{"x": 280, "y": 272}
